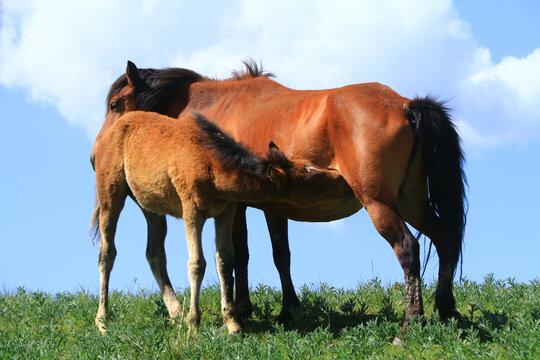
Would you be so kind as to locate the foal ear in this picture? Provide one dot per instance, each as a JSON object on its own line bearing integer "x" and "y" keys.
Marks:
{"x": 132, "y": 74}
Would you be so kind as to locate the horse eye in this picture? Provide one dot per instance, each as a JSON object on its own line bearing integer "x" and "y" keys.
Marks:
{"x": 114, "y": 105}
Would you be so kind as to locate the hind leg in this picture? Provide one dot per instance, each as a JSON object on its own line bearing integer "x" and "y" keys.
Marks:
{"x": 224, "y": 264}
{"x": 391, "y": 226}
{"x": 194, "y": 222}
{"x": 277, "y": 226}
{"x": 448, "y": 252}
{"x": 155, "y": 254}
{"x": 108, "y": 219}
{"x": 412, "y": 206}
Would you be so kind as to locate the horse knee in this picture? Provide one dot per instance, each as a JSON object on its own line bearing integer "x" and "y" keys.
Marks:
{"x": 197, "y": 268}
{"x": 107, "y": 255}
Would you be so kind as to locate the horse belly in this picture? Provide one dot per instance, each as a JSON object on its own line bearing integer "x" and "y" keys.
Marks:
{"x": 322, "y": 212}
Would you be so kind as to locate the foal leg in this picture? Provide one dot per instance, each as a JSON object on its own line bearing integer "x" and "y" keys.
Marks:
{"x": 194, "y": 222}
{"x": 241, "y": 258}
{"x": 391, "y": 226}
{"x": 224, "y": 264}
{"x": 108, "y": 219}
{"x": 155, "y": 254}
{"x": 278, "y": 228}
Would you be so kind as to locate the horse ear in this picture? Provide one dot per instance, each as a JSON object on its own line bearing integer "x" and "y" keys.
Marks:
{"x": 272, "y": 146}
{"x": 132, "y": 74}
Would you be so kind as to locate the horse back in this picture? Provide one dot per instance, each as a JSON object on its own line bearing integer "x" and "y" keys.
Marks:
{"x": 308, "y": 124}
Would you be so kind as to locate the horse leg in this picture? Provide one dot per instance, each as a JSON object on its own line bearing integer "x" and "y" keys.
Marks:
{"x": 224, "y": 264}
{"x": 109, "y": 213}
{"x": 412, "y": 205}
{"x": 155, "y": 254}
{"x": 194, "y": 222}
{"x": 241, "y": 258}
{"x": 278, "y": 228}
{"x": 448, "y": 252}
{"x": 390, "y": 225}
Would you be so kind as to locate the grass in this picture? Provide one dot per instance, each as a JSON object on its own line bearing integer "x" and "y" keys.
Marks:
{"x": 501, "y": 320}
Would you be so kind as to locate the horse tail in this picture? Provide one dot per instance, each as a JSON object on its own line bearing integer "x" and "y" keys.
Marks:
{"x": 443, "y": 163}
{"x": 94, "y": 231}
{"x": 275, "y": 166}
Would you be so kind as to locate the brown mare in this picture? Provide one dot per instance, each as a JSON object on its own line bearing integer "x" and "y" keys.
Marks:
{"x": 189, "y": 168}
{"x": 401, "y": 157}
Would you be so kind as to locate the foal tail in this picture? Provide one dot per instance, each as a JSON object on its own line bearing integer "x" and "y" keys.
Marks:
{"x": 93, "y": 229}
{"x": 443, "y": 162}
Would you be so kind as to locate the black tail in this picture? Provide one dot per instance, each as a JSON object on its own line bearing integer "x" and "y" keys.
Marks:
{"x": 443, "y": 162}
{"x": 234, "y": 154}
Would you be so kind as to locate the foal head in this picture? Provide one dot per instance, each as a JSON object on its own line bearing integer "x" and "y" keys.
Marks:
{"x": 308, "y": 183}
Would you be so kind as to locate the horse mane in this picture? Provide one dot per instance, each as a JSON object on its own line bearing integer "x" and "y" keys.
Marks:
{"x": 157, "y": 87}
{"x": 251, "y": 70}
{"x": 235, "y": 155}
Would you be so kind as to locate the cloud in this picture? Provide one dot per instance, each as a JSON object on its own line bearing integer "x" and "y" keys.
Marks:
{"x": 68, "y": 53}
{"x": 499, "y": 103}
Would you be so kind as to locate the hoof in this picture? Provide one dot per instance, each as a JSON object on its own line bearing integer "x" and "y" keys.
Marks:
{"x": 101, "y": 326}
{"x": 449, "y": 314}
{"x": 236, "y": 333}
{"x": 100, "y": 323}
{"x": 397, "y": 341}
{"x": 244, "y": 310}
{"x": 284, "y": 317}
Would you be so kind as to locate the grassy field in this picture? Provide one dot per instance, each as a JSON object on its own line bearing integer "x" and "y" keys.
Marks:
{"x": 501, "y": 320}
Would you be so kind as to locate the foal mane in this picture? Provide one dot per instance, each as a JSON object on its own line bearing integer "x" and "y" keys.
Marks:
{"x": 235, "y": 155}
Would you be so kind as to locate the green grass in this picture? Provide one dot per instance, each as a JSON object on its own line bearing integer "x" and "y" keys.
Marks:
{"x": 501, "y": 320}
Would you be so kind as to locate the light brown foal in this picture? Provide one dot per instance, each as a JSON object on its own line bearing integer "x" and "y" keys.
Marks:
{"x": 193, "y": 170}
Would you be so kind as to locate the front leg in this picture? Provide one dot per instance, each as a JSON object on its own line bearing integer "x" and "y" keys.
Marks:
{"x": 241, "y": 258}
{"x": 225, "y": 263}
{"x": 277, "y": 226}
{"x": 194, "y": 222}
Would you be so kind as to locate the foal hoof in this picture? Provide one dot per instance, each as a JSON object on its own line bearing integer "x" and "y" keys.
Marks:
{"x": 236, "y": 333}
{"x": 101, "y": 327}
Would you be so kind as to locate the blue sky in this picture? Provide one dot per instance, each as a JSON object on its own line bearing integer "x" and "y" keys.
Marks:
{"x": 58, "y": 60}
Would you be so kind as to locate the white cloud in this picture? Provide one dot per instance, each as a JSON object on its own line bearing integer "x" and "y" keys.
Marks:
{"x": 68, "y": 53}
{"x": 498, "y": 103}
{"x": 336, "y": 227}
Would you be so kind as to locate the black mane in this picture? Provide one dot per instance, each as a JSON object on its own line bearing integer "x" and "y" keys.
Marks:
{"x": 157, "y": 86}
{"x": 234, "y": 154}
{"x": 252, "y": 69}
